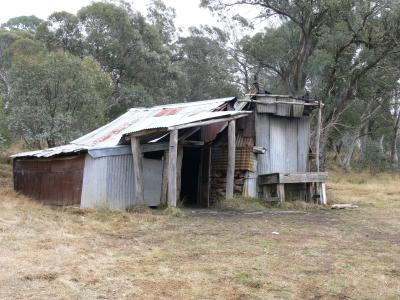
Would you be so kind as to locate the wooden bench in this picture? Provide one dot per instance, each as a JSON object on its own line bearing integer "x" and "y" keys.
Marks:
{"x": 314, "y": 183}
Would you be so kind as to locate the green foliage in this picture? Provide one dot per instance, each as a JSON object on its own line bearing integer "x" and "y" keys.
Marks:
{"x": 61, "y": 31}
{"x": 52, "y": 94}
{"x": 27, "y": 24}
{"x": 207, "y": 65}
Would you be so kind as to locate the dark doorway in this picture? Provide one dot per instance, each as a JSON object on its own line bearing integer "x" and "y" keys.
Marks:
{"x": 189, "y": 175}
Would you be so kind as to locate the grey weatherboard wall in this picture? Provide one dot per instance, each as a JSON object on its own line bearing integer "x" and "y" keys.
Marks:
{"x": 286, "y": 140}
{"x": 108, "y": 182}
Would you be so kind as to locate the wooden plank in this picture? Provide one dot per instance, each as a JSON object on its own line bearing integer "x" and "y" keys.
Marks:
{"x": 276, "y": 178}
{"x": 172, "y": 176}
{"x": 230, "y": 172}
{"x": 164, "y": 146}
{"x": 212, "y": 121}
{"x": 279, "y": 101}
{"x": 137, "y": 170}
{"x": 154, "y": 147}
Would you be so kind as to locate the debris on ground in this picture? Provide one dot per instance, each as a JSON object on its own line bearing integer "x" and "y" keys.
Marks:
{"x": 344, "y": 206}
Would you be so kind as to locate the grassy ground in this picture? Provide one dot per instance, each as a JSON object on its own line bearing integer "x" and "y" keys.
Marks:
{"x": 209, "y": 254}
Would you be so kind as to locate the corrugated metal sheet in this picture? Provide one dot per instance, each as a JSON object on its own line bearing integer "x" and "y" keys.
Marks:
{"x": 55, "y": 182}
{"x": 250, "y": 184}
{"x": 303, "y": 146}
{"x": 139, "y": 119}
{"x": 262, "y": 140}
{"x": 94, "y": 187}
{"x": 277, "y": 144}
{"x": 120, "y": 182}
{"x": 108, "y": 182}
{"x": 286, "y": 141}
{"x": 70, "y": 148}
{"x": 282, "y": 109}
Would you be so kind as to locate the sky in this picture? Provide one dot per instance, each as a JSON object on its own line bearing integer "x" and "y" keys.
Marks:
{"x": 188, "y": 12}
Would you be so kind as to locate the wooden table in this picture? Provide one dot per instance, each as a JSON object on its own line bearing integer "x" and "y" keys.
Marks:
{"x": 312, "y": 180}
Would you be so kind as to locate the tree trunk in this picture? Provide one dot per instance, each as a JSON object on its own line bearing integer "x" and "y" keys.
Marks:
{"x": 394, "y": 158}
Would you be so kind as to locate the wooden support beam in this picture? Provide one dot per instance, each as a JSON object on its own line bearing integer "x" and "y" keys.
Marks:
{"x": 172, "y": 176}
{"x": 179, "y": 171}
{"x": 233, "y": 117}
{"x": 164, "y": 189}
{"x": 230, "y": 172}
{"x": 281, "y": 192}
{"x": 137, "y": 170}
{"x": 318, "y": 137}
{"x": 322, "y": 194}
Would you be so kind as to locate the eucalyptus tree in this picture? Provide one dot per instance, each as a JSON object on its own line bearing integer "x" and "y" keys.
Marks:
{"x": 325, "y": 46}
{"x": 55, "y": 97}
{"x": 207, "y": 65}
{"x": 27, "y": 24}
{"x": 61, "y": 31}
{"x": 133, "y": 51}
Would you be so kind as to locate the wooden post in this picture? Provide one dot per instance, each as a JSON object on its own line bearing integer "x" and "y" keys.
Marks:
{"x": 318, "y": 137}
{"x": 230, "y": 172}
{"x": 322, "y": 193}
{"x": 179, "y": 171}
{"x": 173, "y": 152}
{"x": 280, "y": 188}
{"x": 137, "y": 170}
{"x": 164, "y": 188}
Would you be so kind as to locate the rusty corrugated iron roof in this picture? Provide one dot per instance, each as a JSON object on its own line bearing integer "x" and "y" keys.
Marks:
{"x": 141, "y": 119}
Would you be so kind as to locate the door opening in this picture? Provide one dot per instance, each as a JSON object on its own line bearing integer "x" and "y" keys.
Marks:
{"x": 189, "y": 176}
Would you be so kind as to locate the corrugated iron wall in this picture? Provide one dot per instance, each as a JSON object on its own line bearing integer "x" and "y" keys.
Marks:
{"x": 55, "y": 181}
{"x": 94, "y": 187}
{"x": 286, "y": 141}
{"x": 108, "y": 182}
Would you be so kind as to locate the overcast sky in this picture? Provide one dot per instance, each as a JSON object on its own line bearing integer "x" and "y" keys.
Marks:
{"x": 188, "y": 11}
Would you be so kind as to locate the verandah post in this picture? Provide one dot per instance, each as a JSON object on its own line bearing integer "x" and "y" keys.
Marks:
{"x": 172, "y": 174}
{"x": 137, "y": 170}
{"x": 230, "y": 172}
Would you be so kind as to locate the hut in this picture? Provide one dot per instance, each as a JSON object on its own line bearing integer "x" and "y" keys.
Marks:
{"x": 191, "y": 152}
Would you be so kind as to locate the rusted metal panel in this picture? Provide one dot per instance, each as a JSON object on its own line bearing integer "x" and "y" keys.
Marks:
{"x": 143, "y": 119}
{"x": 244, "y": 156}
{"x": 56, "y": 181}
{"x": 209, "y": 132}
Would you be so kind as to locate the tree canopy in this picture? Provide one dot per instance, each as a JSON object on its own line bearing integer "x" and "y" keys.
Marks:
{"x": 343, "y": 52}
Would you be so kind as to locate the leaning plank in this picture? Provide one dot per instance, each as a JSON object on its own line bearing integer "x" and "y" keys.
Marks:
{"x": 172, "y": 176}
{"x": 137, "y": 170}
{"x": 343, "y": 206}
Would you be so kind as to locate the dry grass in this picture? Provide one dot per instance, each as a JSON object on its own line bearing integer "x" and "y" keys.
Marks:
{"x": 209, "y": 254}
